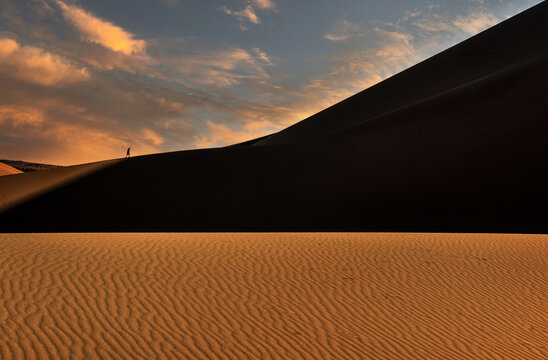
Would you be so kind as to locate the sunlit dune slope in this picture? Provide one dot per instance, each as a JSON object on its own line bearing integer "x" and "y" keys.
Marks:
{"x": 457, "y": 143}
{"x": 273, "y": 296}
{"x": 8, "y": 170}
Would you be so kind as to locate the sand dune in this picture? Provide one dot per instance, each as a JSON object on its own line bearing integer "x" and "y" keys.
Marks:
{"x": 8, "y": 170}
{"x": 26, "y": 166}
{"x": 273, "y": 296}
{"x": 454, "y": 144}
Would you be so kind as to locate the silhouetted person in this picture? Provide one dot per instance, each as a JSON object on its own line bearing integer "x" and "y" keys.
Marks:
{"x": 127, "y": 154}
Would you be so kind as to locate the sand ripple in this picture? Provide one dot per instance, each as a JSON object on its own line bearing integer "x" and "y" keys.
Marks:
{"x": 273, "y": 296}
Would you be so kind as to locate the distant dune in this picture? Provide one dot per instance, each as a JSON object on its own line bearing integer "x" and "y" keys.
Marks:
{"x": 457, "y": 143}
{"x": 26, "y": 166}
{"x": 8, "y": 170}
{"x": 273, "y": 296}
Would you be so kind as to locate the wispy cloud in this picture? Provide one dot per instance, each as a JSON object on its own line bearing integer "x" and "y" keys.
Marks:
{"x": 19, "y": 116}
{"x": 102, "y": 32}
{"x": 219, "y": 134}
{"x": 475, "y": 21}
{"x": 361, "y": 56}
{"x": 221, "y": 68}
{"x": 433, "y": 20}
{"x": 261, "y": 55}
{"x": 35, "y": 65}
{"x": 265, "y": 4}
{"x": 249, "y": 12}
{"x": 344, "y": 30}
{"x": 246, "y": 14}
{"x": 92, "y": 120}
{"x": 11, "y": 14}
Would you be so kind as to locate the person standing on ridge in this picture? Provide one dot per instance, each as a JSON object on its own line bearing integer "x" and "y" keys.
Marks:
{"x": 127, "y": 153}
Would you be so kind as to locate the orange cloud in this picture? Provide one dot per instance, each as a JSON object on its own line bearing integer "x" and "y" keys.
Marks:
{"x": 102, "y": 32}
{"x": 433, "y": 21}
{"x": 220, "y": 134}
{"x": 151, "y": 136}
{"x": 17, "y": 116}
{"x": 36, "y": 65}
{"x": 262, "y": 56}
{"x": 475, "y": 22}
{"x": 264, "y": 4}
{"x": 76, "y": 143}
{"x": 247, "y": 13}
{"x": 345, "y": 30}
{"x": 43, "y": 137}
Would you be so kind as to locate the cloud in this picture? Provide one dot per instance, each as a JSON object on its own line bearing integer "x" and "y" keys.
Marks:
{"x": 223, "y": 68}
{"x": 397, "y": 48}
{"x": 246, "y": 14}
{"x": 67, "y": 126}
{"x": 153, "y": 137}
{"x": 220, "y": 134}
{"x": 99, "y": 118}
{"x": 249, "y": 12}
{"x": 102, "y": 32}
{"x": 264, "y": 4}
{"x": 262, "y": 56}
{"x": 40, "y": 139}
{"x": 345, "y": 30}
{"x": 9, "y": 12}
{"x": 475, "y": 22}
{"x": 360, "y": 57}
{"x": 20, "y": 116}
{"x": 35, "y": 65}
{"x": 434, "y": 21}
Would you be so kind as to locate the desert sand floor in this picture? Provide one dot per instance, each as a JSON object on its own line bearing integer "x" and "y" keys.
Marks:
{"x": 273, "y": 296}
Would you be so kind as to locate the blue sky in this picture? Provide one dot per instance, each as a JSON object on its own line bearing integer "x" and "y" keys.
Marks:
{"x": 80, "y": 81}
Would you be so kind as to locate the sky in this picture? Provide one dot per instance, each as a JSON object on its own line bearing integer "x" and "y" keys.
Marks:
{"x": 82, "y": 80}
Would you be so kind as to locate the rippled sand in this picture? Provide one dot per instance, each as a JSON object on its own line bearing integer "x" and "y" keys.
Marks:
{"x": 273, "y": 296}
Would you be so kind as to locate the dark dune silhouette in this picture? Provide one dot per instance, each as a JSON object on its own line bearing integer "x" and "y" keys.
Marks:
{"x": 457, "y": 143}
